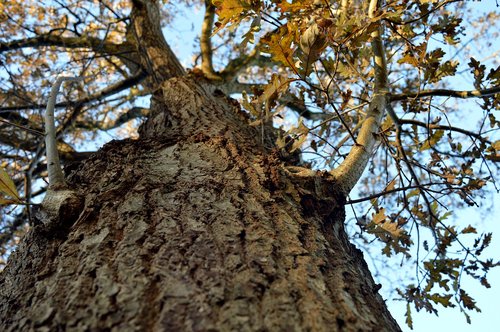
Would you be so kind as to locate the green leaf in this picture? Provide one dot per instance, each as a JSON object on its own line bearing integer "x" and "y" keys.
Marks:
{"x": 445, "y": 216}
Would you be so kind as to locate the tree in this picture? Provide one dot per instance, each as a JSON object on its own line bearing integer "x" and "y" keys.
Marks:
{"x": 210, "y": 220}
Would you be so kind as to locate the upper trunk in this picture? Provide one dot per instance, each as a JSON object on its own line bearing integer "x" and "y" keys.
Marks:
{"x": 195, "y": 226}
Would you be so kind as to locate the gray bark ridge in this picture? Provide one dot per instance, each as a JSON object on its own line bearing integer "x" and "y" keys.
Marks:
{"x": 195, "y": 226}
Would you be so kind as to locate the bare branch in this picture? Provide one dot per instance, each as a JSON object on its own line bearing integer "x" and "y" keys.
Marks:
{"x": 387, "y": 192}
{"x": 446, "y": 93}
{"x": 93, "y": 43}
{"x": 124, "y": 51}
{"x": 431, "y": 126}
{"x": 133, "y": 113}
{"x": 444, "y": 3}
{"x": 110, "y": 90}
{"x": 238, "y": 64}
{"x": 30, "y": 130}
{"x": 245, "y": 60}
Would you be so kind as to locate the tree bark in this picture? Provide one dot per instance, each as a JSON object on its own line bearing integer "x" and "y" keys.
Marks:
{"x": 196, "y": 226}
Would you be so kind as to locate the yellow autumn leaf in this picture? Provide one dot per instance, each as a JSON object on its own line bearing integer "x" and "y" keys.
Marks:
{"x": 312, "y": 43}
{"x": 7, "y": 186}
{"x": 5, "y": 201}
{"x": 391, "y": 185}
{"x": 379, "y": 217}
{"x": 279, "y": 45}
{"x": 295, "y": 6}
{"x": 432, "y": 140}
{"x": 392, "y": 228}
{"x": 409, "y": 59}
{"x": 383, "y": 223}
{"x": 386, "y": 124}
{"x": 229, "y": 10}
{"x": 278, "y": 85}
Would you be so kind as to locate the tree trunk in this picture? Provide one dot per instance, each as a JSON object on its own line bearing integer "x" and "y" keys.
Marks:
{"x": 196, "y": 226}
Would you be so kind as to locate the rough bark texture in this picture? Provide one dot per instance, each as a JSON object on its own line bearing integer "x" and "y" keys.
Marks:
{"x": 193, "y": 227}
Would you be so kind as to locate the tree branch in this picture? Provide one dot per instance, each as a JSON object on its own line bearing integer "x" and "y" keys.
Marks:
{"x": 431, "y": 126}
{"x": 156, "y": 56}
{"x": 124, "y": 51}
{"x": 66, "y": 152}
{"x": 288, "y": 99}
{"x": 350, "y": 170}
{"x": 446, "y": 93}
{"x": 93, "y": 43}
{"x": 133, "y": 113}
{"x": 387, "y": 192}
{"x": 110, "y": 90}
{"x": 206, "y": 42}
{"x": 56, "y": 177}
{"x": 236, "y": 65}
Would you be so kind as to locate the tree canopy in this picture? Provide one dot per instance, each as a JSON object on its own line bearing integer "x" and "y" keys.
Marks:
{"x": 371, "y": 91}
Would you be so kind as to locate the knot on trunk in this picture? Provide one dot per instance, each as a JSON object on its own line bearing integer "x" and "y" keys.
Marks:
{"x": 316, "y": 191}
{"x": 58, "y": 211}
